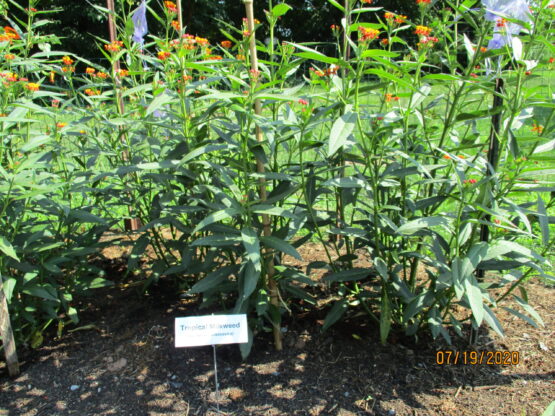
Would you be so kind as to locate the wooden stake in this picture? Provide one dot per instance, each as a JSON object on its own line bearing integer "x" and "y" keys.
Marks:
{"x": 131, "y": 224}
{"x": 266, "y": 222}
{"x": 7, "y": 335}
{"x": 179, "y": 15}
{"x": 493, "y": 155}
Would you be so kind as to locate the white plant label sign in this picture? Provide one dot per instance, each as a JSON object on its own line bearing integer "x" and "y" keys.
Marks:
{"x": 194, "y": 331}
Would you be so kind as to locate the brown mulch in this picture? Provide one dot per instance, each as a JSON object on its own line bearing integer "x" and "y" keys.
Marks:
{"x": 123, "y": 362}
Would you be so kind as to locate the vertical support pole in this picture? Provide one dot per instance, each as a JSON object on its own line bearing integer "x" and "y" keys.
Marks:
{"x": 131, "y": 224}
{"x": 266, "y": 222}
{"x": 216, "y": 380}
{"x": 179, "y": 14}
{"x": 493, "y": 155}
{"x": 7, "y": 335}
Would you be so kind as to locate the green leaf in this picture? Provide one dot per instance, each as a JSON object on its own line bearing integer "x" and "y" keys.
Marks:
{"x": 550, "y": 411}
{"x": 348, "y": 275}
{"x": 413, "y": 226}
{"x": 474, "y": 296}
{"x": 45, "y": 291}
{"x": 273, "y": 210}
{"x": 528, "y": 308}
{"x": 492, "y": 321}
{"x": 521, "y": 316}
{"x": 8, "y": 287}
{"x": 280, "y": 245}
{"x": 248, "y": 280}
{"x": 280, "y": 9}
{"x": 337, "y": 5}
{"x": 543, "y": 220}
{"x": 385, "y": 316}
{"x": 217, "y": 240}
{"x": 252, "y": 246}
{"x": 335, "y": 313}
{"x": 7, "y": 248}
{"x": 215, "y": 217}
{"x": 158, "y": 102}
{"x": 340, "y": 131}
{"x": 213, "y": 279}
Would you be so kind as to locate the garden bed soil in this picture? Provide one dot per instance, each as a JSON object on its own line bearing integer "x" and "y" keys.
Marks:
{"x": 121, "y": 361}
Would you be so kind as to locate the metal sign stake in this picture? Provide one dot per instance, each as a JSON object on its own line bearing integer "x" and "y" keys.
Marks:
{"x": 216, "y": 380}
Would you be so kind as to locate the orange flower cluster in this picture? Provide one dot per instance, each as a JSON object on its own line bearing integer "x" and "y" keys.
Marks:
{"x": 163, "y": 55}
{"x": 423, "y": 2}
{"x": 423, "y": 30}
{"x": 67, "y": 61}
{"x": 335, "y": 28}
{"x": 9, "y": 35}
{"x": 368, "y": 33}
{"x": 102, "y": 75}
{"x": 367, "y": 1}
{"x": 332, "y": 70}
{"x": 171, "y": 6}
{"x": 90, "y": 92}
{"x": 537, "y": 128}
{"x": 501, "y": 22}
{"x": 470, "y": 181}
{"x": 90, "y": 71}
{"x": 60, "y": 125}
{"x": 9, "y": 57}
{"x": 226, "y": 44}
{"x": 115, "y": 46}
{"x": 397, "y": 18}
{"x": 175, "y": 25}
{"x": 31, "y": 86}
{"x": 122, "y": 73}
{"x": 189, "y": 42}
{"x": 214, "y": 57}
{"x": 427, "y": 41}
{"x": 391, "y": 97}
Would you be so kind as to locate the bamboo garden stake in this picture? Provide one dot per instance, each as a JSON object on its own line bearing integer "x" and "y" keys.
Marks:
{"x": 267, "y": 228}
{"x": 6, "y": 334}
{"x": 131, "y": 224}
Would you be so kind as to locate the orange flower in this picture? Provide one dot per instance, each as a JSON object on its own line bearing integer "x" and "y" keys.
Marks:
{"x": 66, "y": 60}
{"x": 240, "y": 57}
{"x": 90, "y": 92}
{"x": 31, "y": 86}
{"x": 11, "y": 33}
{"x": 52, "y": 77}
{"x": 447, "y": 157}
{"x": 391, "y": 97}
{"x": 186, "y": 78}
{"x": 102, "y": 75}
{"x": 175, "y": 25}
{"x": 214, "y": 57}
{"x": 171, "y": 6}
{"x": 423, "y": 2}
{"x": 334, "y": 28}
{"x": 501, "y": 22}
{"x": 60, "y": 125}
{"x": 537, "y": 128}
{"x": 423, "y": 30}
{"x": 367, "y": 1}
{"x": 163, "y": 55}
{"x": 551, "y": 60}
{"x": 90, "y": 71}
{"x": 225, "y": 44}
{"x": 115, "y": 46}
{"x": 122, "y": 73}
{"x": 368, "y": 34}
{"x": 400, "y": 19}
{"x": 9, "y": 57}
{"x": 68, "y": 69}
{"x": 389, "y": 15}
{"x": 384, "y": 42}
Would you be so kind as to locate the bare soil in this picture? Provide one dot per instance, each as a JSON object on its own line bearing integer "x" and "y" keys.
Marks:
{"x": 122, "y": 361}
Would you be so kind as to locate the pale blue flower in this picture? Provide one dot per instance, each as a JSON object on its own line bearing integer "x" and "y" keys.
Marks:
{"x": 499, "y": 9}
{"x": 139, "y": 21}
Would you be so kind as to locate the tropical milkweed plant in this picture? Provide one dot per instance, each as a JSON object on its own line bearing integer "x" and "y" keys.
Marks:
{"x": 424, "y": 144}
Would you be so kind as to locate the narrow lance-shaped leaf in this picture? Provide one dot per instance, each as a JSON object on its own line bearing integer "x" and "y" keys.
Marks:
{"x": 340, "y": 132}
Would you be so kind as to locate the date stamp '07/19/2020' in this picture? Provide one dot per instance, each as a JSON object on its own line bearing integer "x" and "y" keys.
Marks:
{"x": 477, "y": 357}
